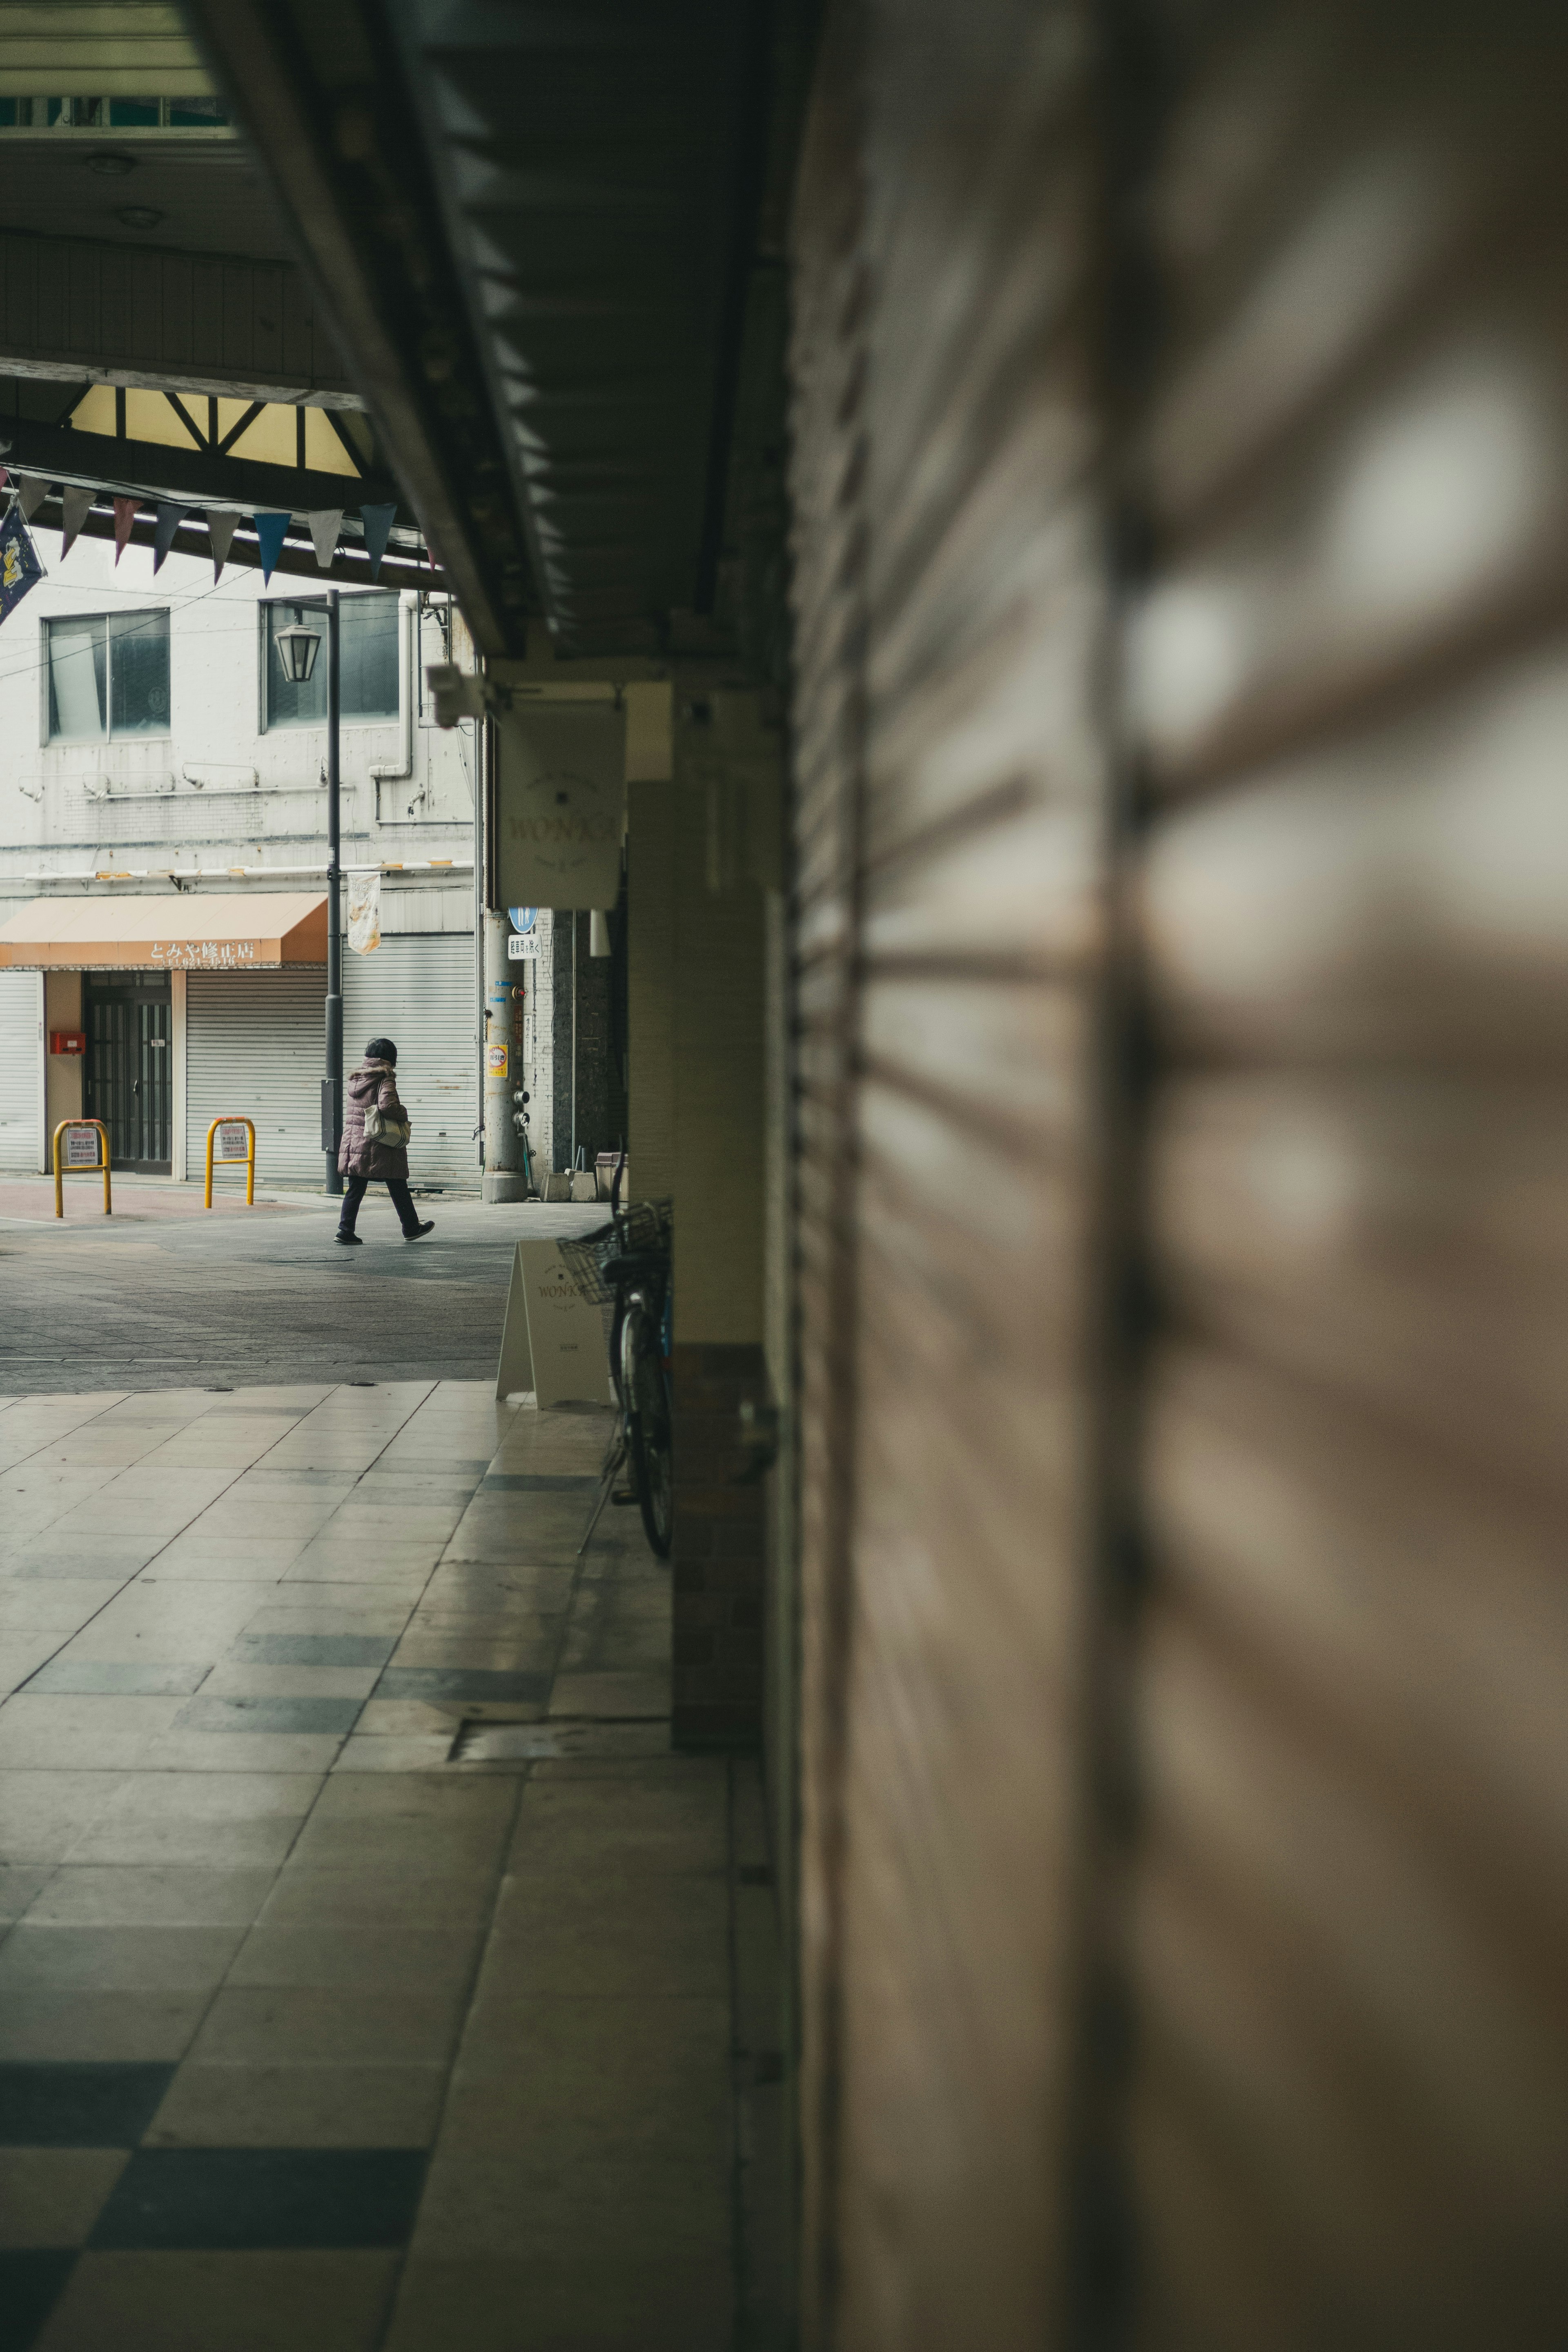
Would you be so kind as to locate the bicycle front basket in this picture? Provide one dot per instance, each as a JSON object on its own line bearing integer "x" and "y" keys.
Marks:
{"x": 582, "y": 1259}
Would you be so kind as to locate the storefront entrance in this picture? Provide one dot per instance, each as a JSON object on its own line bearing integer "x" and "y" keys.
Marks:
{"x": 129, "y": 1075}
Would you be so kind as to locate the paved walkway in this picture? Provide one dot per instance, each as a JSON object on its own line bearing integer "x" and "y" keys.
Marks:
{"x": 164, "y": 1295}
{"x": 369, "y": 1977}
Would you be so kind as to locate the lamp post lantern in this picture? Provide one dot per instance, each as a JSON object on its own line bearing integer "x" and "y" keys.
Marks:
{"x": 297, "y": 649}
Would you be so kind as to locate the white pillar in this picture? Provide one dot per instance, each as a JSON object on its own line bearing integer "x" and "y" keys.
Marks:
{"x": 178, "y": 1080}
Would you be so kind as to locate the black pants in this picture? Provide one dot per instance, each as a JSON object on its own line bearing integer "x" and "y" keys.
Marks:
{"x": 354, "y": 1189}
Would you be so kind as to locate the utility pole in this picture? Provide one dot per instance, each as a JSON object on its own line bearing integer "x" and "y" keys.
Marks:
{"x": 333, "y": 1091}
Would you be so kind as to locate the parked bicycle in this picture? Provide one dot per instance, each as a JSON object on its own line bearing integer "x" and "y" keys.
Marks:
{"x": 625, "y": 1266}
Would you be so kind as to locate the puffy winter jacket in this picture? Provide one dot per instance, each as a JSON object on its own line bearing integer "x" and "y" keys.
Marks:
{"x": 372, "y": 1082}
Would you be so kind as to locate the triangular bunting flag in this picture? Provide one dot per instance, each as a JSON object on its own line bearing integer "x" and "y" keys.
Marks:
{"x": 34, "y": 491}
{"x": 170, "y": 518}
{"x": 75, "y": 507}
{"x": 124, "y": 516}
{"x": 269, "y": 531}
{"x": 220, "y": 530}
{"x": 378, "y": 522}
{"x": 325, "y": 524}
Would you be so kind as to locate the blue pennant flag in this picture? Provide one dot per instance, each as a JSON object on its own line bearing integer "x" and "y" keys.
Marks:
{"x": 170, "y": 517}
{"x": 269, "y": 531}
{"x": 378, "y": 522}
{"x": 20, "y": 564}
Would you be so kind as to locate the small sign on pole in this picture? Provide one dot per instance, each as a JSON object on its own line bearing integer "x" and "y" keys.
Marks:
{"x": 81, "y": 1143}
{"x": 235, "y": 1141}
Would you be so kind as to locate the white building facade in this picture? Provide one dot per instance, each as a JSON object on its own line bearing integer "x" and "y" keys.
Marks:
{"x": 151, "y": 748}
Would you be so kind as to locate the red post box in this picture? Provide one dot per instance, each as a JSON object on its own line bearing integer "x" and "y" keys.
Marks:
{"x": 67, "y": 1040}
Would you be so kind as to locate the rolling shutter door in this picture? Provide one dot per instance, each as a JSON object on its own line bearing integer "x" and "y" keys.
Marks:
{"x": 418, "y": 990}
{"x": 1185, "y": 1653}
{"x": 255, "y": 1047}
{"x": 1349, "y": 2104}
{"x": 950, "y": 620}
{"x": 21, "y": 1050}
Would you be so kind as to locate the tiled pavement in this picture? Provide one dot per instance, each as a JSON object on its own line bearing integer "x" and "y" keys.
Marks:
{"x": 366, "y": 1971}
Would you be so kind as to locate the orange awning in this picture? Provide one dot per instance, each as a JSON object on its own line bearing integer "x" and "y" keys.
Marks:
{"x": 174, "y": 931}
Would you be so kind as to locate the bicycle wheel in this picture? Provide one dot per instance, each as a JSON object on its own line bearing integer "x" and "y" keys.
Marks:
{"x": 648, "y": 1433}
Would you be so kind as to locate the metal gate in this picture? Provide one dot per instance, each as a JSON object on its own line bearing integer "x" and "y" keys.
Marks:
{"x": 21, "y": 1049}
{"x": 255, "y": 1044}
{"x": 418, "y": 990}
{"x": 128, "y": 1076}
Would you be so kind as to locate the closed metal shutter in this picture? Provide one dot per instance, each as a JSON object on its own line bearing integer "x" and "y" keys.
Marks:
{"x": 255, "y": 1047}
{"x": 418, "y": 990}
{"x": 21, "y": 1051}
{"x": 1349, "y": 1930}
{"x": 1180, "y": 482}
{"x": 949, "y": 620}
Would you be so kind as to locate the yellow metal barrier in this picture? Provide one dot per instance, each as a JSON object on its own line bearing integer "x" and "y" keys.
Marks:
{"x": 232, "y": 1160}
{"x": 87, "y": 1167}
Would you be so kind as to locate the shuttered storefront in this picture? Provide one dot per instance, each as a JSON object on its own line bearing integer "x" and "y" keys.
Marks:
{"x": 256, "y": 1043}
{"x": 418, "y": 990}
{"x": 21, "y": 1048}
{"x": 254, "y": 1047}
{"x": 1180, "y": 487}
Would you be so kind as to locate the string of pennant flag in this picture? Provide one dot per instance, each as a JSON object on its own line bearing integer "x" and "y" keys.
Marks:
{"x": 325, "y": 525}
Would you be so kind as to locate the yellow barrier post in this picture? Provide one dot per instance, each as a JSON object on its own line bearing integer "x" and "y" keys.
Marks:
{"x": 232, "y": 1158}
{"x": 88, "y": 1167}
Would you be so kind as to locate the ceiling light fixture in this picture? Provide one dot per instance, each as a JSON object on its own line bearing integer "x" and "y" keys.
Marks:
{"x": 137, "y": 215}
{"x": 112, "y": 166}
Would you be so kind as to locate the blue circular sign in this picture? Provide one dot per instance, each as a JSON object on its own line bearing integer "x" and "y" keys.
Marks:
{"x": 524, "y": 918}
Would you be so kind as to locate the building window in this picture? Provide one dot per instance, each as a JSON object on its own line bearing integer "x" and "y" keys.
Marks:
{"x": 368, "y": 638}
{"x": 112, "y": 113}
{"x": 107, "y": 674}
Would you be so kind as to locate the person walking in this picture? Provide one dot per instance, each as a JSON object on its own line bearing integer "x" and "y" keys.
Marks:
{"x": 374, "y": 1143}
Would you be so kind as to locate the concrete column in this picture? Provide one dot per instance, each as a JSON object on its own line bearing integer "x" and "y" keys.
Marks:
{"x": 504, "y": 1178}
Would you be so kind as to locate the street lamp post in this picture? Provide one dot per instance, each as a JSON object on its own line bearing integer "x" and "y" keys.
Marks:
{"x": 297, "y": 649}
{"x": 333, "y": 1107}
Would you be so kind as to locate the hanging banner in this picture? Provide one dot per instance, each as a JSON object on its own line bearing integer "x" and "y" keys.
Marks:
{"x": 75, "y": 508}
{"x": 378, "y": 522}
{"x": 221, "y": 528}
{"x": 124, "y": 516}
{"x": 269, "y": 531}
{"x": 561, "y": 802}
{"x": 19, "y": 566}
{"x": 170, "y": 518}
{"x": 365, "y": 913}
{"x": 326, "y": 522}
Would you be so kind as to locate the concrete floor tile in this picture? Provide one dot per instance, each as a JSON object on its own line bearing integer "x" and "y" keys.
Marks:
{"x": 625, "y": 2079}
{"x": 237, "y": 2106}
{"x": 217, "y": 1751}
{"x": 194, "y": 1797}
{"x": 231, "y": 1679}
{"x": 444, "y": 1900}
{"x": 79, "y": 1559}
{"x": 575, "y": 2219}
{"x": 150, "y": 1895}
{"x": 356, "y": 1566}
{"x": 445, "y": 1808}
{"x": 21, "y": 1655}
{"x": 217, "y": 1712}
{"x": 95, "y": 1733}
{"x": 21, "y": 1883}
{"x": 670, "y": 1822}
{"x": 419, "y": 1752}
{"x": 333, "y": 1956}
{"x": 42, "y": 1814}
{"x": 611, "y": 1932}
{"x": 315, "y": 2301}
{"x": 199, "y": 1844}
{"x": 637, "y": 1692}
{"x": 172, "y": 1621}
{"x": 300, "y": 1637}
{"x": 638, "y": 1645}
{"x": 209, "y": 1562}
{"x": 99, "y": 1677}
{"x": 52, "y": 2196}
{"x": 62, "y": 1603}
{"x": 297, "y": 2024}
{"x": 39, "y": 2022}
{"x": 111, "y": 1958}
{"x": 408, "y": 1719}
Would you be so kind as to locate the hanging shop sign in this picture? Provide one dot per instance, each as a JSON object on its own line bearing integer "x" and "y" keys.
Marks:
{"x": 365, "y": 913}
{"x": 560, "y": 803}
{"x": 19, "y": 566}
